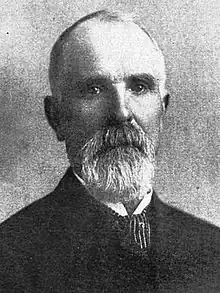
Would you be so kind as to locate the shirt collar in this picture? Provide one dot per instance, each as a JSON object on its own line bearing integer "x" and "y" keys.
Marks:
{"x": 119, "y": 208}
{"x": 79, "y": 178}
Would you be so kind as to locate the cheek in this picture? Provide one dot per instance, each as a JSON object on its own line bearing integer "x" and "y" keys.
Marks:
{"x": 81, "y": 121}
{"x": 148, "y": 113}
{"x": 91, "y": 115}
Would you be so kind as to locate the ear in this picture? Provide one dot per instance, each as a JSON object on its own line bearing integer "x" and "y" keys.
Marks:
{"x": 52, "y": 112}
{"x": 166, "y": 100}
{"x": 165, "y": 103}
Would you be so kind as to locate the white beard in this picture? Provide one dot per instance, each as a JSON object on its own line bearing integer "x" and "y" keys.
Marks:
{"x": 121, "y": 172}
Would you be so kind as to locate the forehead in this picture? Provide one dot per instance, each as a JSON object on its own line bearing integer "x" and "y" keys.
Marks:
{"x": 111, "y": 49}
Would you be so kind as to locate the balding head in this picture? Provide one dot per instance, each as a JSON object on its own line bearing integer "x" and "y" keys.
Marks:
{"x": 77, "y": 34}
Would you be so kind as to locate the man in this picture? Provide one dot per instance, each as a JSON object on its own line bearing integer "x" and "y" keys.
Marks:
{"x": 103, "y": 229}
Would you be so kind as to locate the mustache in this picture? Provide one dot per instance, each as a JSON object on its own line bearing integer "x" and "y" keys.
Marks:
{"x": 123, "y": 136}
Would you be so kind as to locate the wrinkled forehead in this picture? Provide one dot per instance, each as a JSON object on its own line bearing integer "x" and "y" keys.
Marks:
{"x": 113, "y": 49}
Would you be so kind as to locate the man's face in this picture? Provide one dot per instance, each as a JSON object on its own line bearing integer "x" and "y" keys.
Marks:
{"x": 108, "y": 78}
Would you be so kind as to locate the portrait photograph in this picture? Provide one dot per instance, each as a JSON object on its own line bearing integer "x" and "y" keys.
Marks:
{"x": 109, "y": 146}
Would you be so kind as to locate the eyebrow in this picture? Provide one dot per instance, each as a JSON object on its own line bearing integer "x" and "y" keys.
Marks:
{"x": 149, "y": 78}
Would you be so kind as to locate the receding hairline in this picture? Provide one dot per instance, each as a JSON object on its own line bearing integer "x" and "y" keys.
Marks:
{"x": 104, "y": 16}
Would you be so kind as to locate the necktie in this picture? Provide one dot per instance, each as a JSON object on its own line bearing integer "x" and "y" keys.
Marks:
{"x": 135, "y": 232}
{"x": 139, "y": 231}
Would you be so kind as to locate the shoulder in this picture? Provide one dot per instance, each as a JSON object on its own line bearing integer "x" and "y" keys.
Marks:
{"x": 188, "y": 248}
{"x": 187, "y": 226}
{"x": 44, "y": 219}
{"x": 175, "y": 219}
{"x": 183, "y": 230}
{"x": 30, "y": 222}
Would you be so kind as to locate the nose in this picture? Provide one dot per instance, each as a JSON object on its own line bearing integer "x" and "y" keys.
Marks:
{"x": 120, "y": 111}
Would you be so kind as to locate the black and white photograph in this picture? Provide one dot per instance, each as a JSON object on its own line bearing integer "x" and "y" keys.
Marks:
{"x": 109, "y": 146}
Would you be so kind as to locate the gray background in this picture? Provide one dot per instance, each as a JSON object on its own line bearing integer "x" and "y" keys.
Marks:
{"x": 32, "y": 162}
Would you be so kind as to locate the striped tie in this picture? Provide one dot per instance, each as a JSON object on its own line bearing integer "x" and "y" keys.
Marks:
{"x": 135, "y": 232}
{"x": 139, "y": 231}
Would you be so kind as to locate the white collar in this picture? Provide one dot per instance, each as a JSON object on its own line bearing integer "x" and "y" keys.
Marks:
{"x": 119, "y": 208}
{"x": 79, "y": 178}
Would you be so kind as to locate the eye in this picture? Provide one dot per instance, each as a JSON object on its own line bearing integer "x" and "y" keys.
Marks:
{"x": 139, "y": 88}
{"x": 94, "y": 90}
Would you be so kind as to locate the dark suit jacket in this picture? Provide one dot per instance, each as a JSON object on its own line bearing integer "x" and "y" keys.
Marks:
{"x": 68, "y": 242}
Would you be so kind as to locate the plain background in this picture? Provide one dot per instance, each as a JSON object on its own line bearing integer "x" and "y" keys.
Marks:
{"x": 32, "y": 162}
